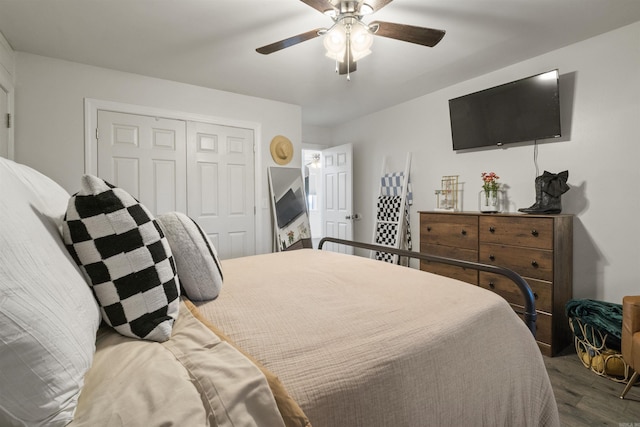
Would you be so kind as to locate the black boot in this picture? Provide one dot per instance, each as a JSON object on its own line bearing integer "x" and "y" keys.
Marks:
{"x": 534, "y": 208}
{"x": 552, "y": 187}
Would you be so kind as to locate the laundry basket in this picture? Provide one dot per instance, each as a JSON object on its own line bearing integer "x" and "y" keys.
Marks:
{"x": 597, "y": 330}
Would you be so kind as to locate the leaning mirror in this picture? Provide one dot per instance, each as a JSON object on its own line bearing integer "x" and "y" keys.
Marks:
{"x": 289, "y": 209}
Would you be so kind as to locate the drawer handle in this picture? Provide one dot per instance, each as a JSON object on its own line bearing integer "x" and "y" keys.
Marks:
{"x": 464, "y": 232}
{"x": 534, "y": 263}
{"x": 428, "y": 228}
{"x": 534, "y": 233}
{"x": 492, "y": 257}
{"x": 492, "y": 285}
{"x": 492, "y": 229}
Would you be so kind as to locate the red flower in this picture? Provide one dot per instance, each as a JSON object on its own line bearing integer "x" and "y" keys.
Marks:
{"x": 490, "y": 181}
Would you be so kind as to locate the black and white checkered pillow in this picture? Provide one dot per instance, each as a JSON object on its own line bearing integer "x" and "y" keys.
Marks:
{"x": 125, "y": 256}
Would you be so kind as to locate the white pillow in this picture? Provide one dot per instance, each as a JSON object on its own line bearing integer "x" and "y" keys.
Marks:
{"x": 196, "y": 258}
{"x": 126, "y": 258}
{"x": 48, "y": 315}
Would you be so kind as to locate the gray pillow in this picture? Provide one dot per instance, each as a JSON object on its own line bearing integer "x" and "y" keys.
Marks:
{"x": 196, "y": 258}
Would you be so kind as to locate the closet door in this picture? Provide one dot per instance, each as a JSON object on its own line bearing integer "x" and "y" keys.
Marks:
{"x": 146, "y": 156}
{"x": 201, "y": 169}
{"x": 220, "y": 182}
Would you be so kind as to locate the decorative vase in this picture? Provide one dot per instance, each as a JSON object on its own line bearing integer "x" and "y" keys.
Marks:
{"x": 489, "y": 201}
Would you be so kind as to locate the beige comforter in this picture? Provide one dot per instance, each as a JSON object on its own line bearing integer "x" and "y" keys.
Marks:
{"x": 192, "y": 380}
{"x": 364, "y": 343}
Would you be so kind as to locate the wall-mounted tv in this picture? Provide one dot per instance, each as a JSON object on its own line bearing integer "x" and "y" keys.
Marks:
{"x": 523, "y": 110}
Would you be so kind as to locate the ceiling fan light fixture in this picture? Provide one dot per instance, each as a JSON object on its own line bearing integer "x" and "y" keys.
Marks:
{"x": 349, "y": 39}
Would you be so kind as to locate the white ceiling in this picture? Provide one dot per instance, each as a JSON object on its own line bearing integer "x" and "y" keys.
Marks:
{"x": 212, "y": 43}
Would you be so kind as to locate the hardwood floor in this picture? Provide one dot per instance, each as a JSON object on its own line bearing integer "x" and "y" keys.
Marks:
{"x": 586, "y": 399}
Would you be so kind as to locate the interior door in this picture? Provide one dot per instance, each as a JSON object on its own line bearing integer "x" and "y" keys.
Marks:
{"x": 146, "y": 156}
{"x": 220, "y": 182}
{"x": 337, "y": 206}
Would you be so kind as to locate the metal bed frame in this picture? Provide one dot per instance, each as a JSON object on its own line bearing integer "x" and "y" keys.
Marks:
{"x": 529, "y": 313}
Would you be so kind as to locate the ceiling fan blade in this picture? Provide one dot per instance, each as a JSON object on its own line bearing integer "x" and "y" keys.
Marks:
{"x": 274, "y": 47}
{"x": 408, "y": 33}
{"x": 320, "y": 5}
{"x": 376, "y": 5}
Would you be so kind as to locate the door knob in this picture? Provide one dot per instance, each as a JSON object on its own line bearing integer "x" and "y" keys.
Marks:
{"x": 347, "y": 217}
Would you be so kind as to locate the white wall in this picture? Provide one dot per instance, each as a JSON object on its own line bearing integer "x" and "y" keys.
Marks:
{"x": 600, "y": 96}
{"x": 50, "y": 124}
{"x": 316, "y": 135}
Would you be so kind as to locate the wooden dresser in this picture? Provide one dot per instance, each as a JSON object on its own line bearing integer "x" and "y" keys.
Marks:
{"x": 538, "y": 247}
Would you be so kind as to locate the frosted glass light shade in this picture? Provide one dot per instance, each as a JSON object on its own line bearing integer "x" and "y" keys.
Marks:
{"x": 335, "y": 43}
{"x": 361, "y": 41}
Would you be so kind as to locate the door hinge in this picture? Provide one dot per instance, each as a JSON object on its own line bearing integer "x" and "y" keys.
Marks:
{"x": 8, "y": 120}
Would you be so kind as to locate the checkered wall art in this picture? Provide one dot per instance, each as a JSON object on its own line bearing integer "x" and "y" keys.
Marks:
{"x": 126, "y": 258}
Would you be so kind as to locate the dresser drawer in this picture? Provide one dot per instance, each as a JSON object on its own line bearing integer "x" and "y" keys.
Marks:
{"x": 514, "y": 231}
{"x": 542, "y": 291}
{"x": 464, "y": 274}
{"x": 450, "y": 230}
{"x": 449, "y": 252}
{"x": 533, "y": 263}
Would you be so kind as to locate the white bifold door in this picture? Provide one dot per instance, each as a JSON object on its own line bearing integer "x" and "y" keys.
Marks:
{"x": 201, "y": 169}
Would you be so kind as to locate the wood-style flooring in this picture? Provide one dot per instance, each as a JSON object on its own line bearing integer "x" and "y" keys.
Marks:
{"x": 586, "y": 399}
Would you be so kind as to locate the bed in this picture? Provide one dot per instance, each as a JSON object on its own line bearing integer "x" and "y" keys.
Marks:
{"x": 297, "y": 338}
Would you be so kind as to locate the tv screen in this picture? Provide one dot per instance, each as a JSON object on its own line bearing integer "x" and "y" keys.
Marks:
{"x": 289, "y": 207}
{"x": 523, "y": 110}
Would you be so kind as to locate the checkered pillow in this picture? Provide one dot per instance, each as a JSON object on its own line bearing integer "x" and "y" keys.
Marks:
{"x": 126, "y": 259}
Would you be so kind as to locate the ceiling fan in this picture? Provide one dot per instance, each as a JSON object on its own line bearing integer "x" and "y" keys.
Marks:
{"x": 349, "y": 38}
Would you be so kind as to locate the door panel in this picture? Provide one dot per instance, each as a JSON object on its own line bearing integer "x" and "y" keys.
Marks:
{"x": 145, "y": 156}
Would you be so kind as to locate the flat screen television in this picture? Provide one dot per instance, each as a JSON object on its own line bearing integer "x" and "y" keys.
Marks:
{"x": 289, "y": 207}
{"x": 523, "y": 110}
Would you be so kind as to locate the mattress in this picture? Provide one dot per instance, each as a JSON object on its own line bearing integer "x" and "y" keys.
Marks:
{"x": 359, "y": 342}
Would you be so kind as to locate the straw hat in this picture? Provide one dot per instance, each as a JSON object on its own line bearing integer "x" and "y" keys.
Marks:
{"x": 281, "y": 150}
